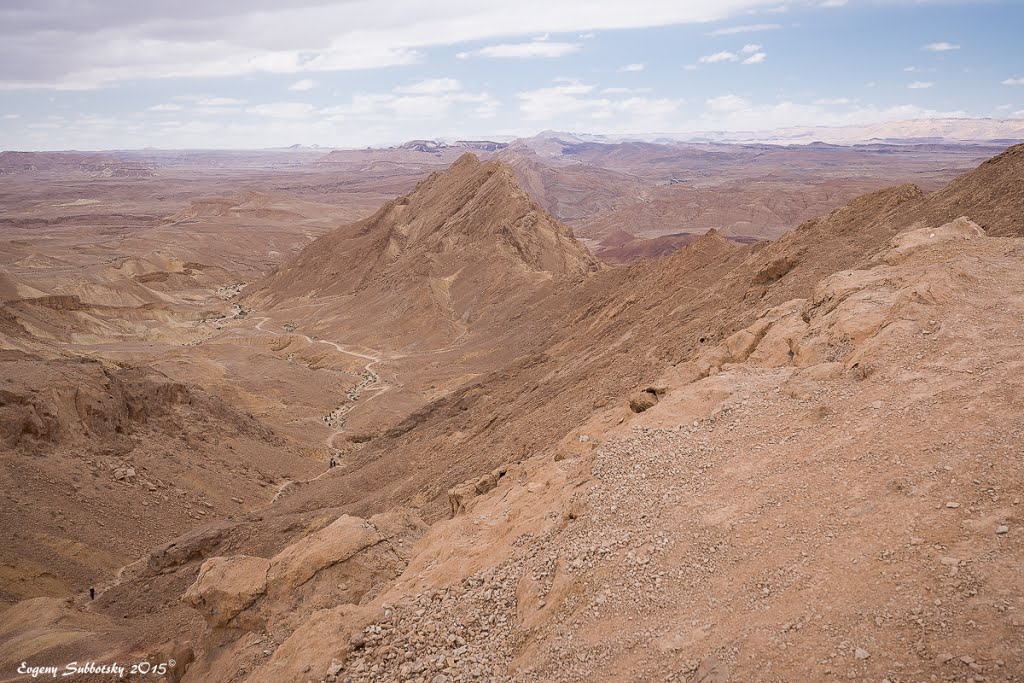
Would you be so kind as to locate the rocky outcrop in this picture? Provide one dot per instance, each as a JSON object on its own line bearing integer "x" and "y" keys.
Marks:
{"x": 45, "y": 404}
{"x": 343, "y": 563}
{"x": 460, "y": 496}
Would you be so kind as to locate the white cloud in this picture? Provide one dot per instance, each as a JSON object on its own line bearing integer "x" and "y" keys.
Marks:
{"x": 940, "y": 47}
{"x": 282, "y": 110}
{"x": 624, "y": 91}
{"x": 747, "y": 28}
{"x": 911, "y": 69}
{"x": 103, "y": 43}
{"x": 920, "y": 85}
{"x": 718, "y": 57}
{"x": 210, "y": 101}
{"x": 535, "y": 49}
{"x": 303, "y": 84}
{"x": 732, "y": 113}
{"x": 751, "y": 48}
{"x": 157, "y": 59}
{"x": 833, "y": 3}
{"x": 165, "y": 107}
{"x": 431, "y": 86}
{"x": 631, "y": 67}
{"x": 10, "y": 117}
{"x": 430, "y": 100}
{"x": 834, "y": 101}
{"x": 726, "y": 103}
{"x": 207, "y": 105}
{"x": 756, "y": 58}
{"x": 577, "y": 106}
{"x": 1014, "y": 81}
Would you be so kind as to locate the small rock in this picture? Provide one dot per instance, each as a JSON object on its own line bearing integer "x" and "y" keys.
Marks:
{"x": 952, "y": 505}
{"x": 861, "y": 653}
{"x": 1002, "y": 529}
{"x": 642, "y": 401}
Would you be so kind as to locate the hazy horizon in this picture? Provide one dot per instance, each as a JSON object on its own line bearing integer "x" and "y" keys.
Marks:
{"x": 260, "y": 75}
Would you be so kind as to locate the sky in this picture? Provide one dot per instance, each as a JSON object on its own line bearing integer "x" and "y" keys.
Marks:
{"x": 125, "y": 74}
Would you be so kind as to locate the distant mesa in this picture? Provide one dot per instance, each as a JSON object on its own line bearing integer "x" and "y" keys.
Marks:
{"x": 621, "y": 247}
{"x": 17, "y": 163}
{"x": 416, "y": 151}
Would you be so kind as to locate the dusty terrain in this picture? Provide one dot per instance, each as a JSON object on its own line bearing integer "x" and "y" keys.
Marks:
{"x": 730, "y": 459}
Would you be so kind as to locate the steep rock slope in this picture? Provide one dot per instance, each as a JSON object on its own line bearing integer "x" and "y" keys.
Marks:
{"x": 610, "y": 335}
{"x": 991, "y": 195}
{"x": 460, "y": 247}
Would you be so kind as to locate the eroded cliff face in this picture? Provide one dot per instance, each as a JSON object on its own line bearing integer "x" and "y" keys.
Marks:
{"x": 100, "y": 460}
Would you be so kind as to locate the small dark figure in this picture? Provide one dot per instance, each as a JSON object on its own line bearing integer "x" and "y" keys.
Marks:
{"x": 333, "y": 464}
{"x": 92, "y": 593}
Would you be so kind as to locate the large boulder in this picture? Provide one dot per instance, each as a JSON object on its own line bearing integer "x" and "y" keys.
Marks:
{"x": 226, "y": 586}
{"x": 195, "y": 545}
{"x": 909, "y": 241}
{"x": 643, "y": 400}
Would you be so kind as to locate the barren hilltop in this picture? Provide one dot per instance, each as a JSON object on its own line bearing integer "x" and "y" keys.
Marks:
{"x": 744, "y": 460}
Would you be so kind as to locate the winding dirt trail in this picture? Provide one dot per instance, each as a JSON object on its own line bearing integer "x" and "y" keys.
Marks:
{"x": 371, "y": 379}
{"x": 371, "y": 382}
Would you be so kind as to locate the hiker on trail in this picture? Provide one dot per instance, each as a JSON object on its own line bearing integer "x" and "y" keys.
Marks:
{"x": 92, "y": 593}
{"x": 333, "y": 464}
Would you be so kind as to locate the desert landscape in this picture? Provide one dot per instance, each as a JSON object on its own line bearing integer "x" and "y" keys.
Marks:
{"x": 452, "y": 396}
{"x": 743, "y": 403}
